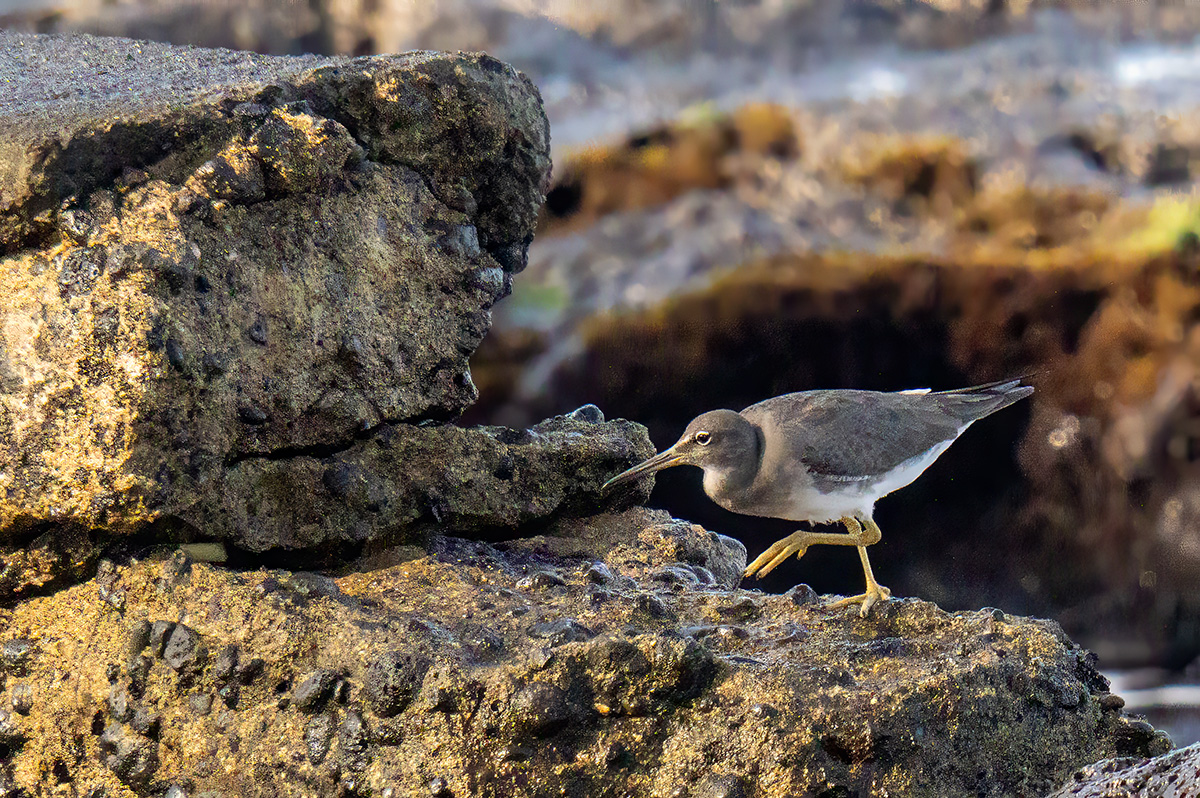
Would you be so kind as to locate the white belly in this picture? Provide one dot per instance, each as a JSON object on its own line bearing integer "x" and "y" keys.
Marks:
{"x": 857, "y": 497}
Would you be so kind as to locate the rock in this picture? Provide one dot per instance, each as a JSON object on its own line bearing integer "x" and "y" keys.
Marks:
{"x": 486, "y": 480}
{"x": 563, "y": 630}
{"x": 53, "y": 558}
{"x": 1168, "y": 775}
{"x": 393, "y": 680}
{"x": 21, "y": 696}
{"x": 160, "y": 634}
{"x": 313, "y": 689}
{"x": 379, "y": 678}
{"x": 134, "y": 759}
{"x": 15, "y": 656}
{"x": 151, "y": 402}
{"x": 119, "y": 706}
{"x": 318, "y": 735}
{"x": 353, "y": 745}
{"x": 182, "y": 650}
{"x": 540, "y": 710}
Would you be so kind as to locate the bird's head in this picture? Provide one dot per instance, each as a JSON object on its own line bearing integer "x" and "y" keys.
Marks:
{"x": 720, "y": 440}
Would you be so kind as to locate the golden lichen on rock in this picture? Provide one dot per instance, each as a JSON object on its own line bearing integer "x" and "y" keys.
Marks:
{"x": 263, "y": 264}
{"x": 633, "y": 658}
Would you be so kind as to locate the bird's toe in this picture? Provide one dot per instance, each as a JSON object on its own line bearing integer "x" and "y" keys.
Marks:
{"x": 779, "y": 551}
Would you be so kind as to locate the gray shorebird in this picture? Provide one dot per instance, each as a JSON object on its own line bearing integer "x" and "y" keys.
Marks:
{"x": 824, "y": 456}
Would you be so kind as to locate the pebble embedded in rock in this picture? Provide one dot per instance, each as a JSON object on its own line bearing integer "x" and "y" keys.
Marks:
{"x": 727, "y": 786}
{"x": 160, "y": 631}
{"x": 393, "y": 681}
{"x": 16, "y": 655}
{"x": 439, "y": 788}
{"x": 133, "y": 758}
{"x": 674, "y": 575}
{"x": 802, "y": 595}
{"x": 137, "y": 638}
{"x": 588, "y": 413}
{"x": 183, "y": 647}
{"x": 214, "y": 364}
{"x": 119, "y": 705}
{"x": 542, "y": 579}
{"x": 247, "y": 672}
{"x": 352, "y": 742}
{"x": 484, "y": 644}
{"x": 318, "y": 735}
{"x": 22, "y": 698}
{"x": 175, "y": 791}
{"x": 313, "y": 689}
{"x": 1111, "y": 702}
{"x": 563, "y": 630}
{"x": 652, "y": 605}
{"x": 541, "y": 709}
{"x": 598, "y": 573}
{"x": 200, "y": 703}
{"x": 226, "y": 662}
{"x": 258, "y": 332}
{"x": 175, "y": 356}
{"x": 146, "y": 722}
{"x": 253, "y": 414}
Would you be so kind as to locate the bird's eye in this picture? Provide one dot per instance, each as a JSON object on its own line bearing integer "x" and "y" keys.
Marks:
{"x": 702, "y": 437}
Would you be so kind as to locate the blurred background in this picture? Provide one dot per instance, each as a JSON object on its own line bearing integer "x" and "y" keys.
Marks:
{"x": 753, "y": 197}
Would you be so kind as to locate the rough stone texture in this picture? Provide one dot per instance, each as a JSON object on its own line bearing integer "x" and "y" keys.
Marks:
{"x": 215, "y": 262}
{"x": 561, "y": 664}
{"x": 1173, "y": 775}
{"x": 406, "y": 479}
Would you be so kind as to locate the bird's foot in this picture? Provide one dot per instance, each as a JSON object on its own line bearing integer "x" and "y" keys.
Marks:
{"x": 796, "y": 543}
{"x": 875, "y": 593}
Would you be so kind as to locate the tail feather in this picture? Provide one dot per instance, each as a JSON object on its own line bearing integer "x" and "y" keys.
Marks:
{"x": 972, "y": 404}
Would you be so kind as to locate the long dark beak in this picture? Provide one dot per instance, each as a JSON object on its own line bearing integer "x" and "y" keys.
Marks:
{"x": 664, "y": 459}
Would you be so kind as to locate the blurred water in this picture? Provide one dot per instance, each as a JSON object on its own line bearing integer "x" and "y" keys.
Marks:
{"x": 1028, "y": 80}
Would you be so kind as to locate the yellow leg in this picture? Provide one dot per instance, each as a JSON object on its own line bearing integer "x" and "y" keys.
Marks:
{"x": 875, "y": 591}
{"x": 798, "y": 542}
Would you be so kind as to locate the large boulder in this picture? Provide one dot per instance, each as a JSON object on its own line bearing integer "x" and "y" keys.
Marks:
{"x": 608, "y": 658}
{"x": 227, "y": 280}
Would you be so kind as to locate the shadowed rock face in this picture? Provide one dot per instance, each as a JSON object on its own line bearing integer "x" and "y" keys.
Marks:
{"x": 227, "y": 278}
{"x": 610, "y": 658}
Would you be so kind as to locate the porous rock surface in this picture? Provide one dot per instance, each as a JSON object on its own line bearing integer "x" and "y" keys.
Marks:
{"x": 1173, "y": 775}
{"x": 611, "y": 657}
{"x": 228, "y": 279}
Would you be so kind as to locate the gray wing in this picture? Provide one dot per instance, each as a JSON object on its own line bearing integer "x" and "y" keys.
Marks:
{"x": 852, "y": 435}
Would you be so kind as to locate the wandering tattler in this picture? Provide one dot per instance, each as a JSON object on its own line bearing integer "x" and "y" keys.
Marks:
{"x": 824, "y": 456}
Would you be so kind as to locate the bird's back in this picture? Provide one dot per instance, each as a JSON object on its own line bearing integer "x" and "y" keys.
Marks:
{"x": 849, "y": 434}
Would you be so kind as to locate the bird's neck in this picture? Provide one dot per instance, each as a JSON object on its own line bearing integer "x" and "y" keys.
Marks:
{"x": 725, "y": 482}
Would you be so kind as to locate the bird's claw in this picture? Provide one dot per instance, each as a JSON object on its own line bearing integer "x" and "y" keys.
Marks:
{"x": 875, "y": 593}
{"x": 779, "y": 551}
